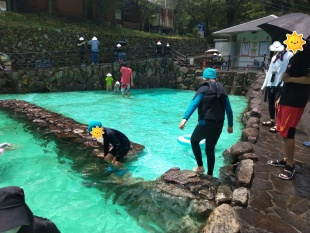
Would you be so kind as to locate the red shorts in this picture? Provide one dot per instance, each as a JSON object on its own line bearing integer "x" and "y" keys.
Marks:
{"x": 287, "y": 120}
{"x": 125, "y": 86}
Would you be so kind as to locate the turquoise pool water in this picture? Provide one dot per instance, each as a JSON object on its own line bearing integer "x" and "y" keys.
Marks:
{"x": 56, "y": 190}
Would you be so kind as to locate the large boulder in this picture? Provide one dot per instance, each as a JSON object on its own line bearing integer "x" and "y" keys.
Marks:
{"x": 222, "y": 219}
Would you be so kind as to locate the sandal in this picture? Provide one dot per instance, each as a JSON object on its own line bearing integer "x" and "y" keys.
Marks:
{"x": 288, "y": 173}
{"x": 273, "y": 129}
{"x": 277, "y": 163}
{"x": 269, "y": 123}
{"x": 306, "y": 143}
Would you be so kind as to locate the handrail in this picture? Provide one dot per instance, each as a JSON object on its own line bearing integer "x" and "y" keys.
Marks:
{"x": 27, "y": 60}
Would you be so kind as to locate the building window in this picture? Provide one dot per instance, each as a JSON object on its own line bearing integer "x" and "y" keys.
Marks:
{"x": 245, "y": 48}
{"x": 263, "y": 48}
{"x": 118, "y": 14}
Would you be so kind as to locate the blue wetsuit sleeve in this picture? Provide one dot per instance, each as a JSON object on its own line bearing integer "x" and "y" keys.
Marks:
{"x": 192, "y": 107}
{"x": 5, "y": 144}
{"x": 229, "y": 112}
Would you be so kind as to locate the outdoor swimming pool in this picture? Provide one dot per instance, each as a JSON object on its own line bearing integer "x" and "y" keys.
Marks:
{"x": 56, "y": 181}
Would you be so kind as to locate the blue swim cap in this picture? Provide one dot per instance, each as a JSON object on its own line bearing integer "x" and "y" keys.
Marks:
{"x": 209, "y": 73}
{"x": 93, "y": 124}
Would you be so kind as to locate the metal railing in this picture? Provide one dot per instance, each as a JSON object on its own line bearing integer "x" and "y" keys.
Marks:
{"x": 259, "y": 64}
{"x": 48, "y": 59}
{"x": 179, "y": 57}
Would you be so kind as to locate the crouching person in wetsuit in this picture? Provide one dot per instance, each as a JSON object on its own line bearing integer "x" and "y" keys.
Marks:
{"x": 212, "y": 103}
{"x": 16, "y": 216}
{"x": 117, "y": 139}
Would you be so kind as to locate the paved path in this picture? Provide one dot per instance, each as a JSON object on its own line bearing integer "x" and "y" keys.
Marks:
{"x": 277, "y": 205}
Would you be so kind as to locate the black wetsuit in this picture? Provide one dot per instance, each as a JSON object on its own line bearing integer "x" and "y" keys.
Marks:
{"x": 118, "y": 140}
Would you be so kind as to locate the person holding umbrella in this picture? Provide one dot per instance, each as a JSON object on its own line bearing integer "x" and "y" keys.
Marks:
{"x": 81, "y": 46}
{"x": 291, "y": 105}
{"x": 272, "y": 83}
{"x": 16, "y": 216}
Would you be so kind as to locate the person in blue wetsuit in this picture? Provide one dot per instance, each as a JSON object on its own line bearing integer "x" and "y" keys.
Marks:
{"x": 3, "y": 146}
{"x": 117, "y": 139}
{"x": 212, "y": 103}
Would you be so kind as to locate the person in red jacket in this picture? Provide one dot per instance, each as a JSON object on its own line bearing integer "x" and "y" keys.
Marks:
{"x": 126, "y": 79}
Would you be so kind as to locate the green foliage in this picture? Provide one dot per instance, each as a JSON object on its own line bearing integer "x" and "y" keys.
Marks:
{"x": 251, "y": 10}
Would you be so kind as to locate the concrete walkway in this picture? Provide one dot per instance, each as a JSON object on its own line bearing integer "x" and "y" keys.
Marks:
{"x": 277, "y": 205}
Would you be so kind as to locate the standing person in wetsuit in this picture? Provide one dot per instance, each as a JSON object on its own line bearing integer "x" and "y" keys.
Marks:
{"x": 117, "y": 139}
{"x": 212, "y": 103}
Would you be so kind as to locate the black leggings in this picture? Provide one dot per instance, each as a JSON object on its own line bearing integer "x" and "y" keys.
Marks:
{"x": 211, "y": 131}
{"x": 272, "y": 94}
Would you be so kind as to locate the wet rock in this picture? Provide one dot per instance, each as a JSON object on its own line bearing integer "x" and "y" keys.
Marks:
{"x": 175, "y": 190}
{"x": 203, "y": 207}
{"x": 181, "y": 177}
{"x": 227, "y": 174}
{"x": 62, "y": 127}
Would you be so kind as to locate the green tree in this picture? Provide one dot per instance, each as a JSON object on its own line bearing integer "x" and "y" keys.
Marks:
{"x": 181, "y": 18}
{"x": 231, "y": 7}
{"x": 145, "y": 7}
{"x": 250, "y": 10}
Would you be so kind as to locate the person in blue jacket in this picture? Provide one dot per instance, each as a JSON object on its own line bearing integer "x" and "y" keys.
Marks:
{"x": 212, "y": 103}
{"x": 94, "y": 42}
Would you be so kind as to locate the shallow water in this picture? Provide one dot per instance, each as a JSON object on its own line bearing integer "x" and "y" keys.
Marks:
{"x": 55, "y": 181}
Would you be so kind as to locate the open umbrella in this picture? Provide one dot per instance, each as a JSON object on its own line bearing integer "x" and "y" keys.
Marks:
{"x": 286, "y": 24}
{"x": 122, "y": 42}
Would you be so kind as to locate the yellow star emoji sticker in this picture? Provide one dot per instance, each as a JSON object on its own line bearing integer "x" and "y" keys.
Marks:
{"x": 294, "y": 42}
{"x": 97, "y": 132}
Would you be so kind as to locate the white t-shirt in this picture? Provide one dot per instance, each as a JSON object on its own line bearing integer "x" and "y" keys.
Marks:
{"x": 278, "y": 67}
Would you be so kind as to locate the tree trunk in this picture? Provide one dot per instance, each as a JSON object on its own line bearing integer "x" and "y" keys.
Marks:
{"x": 8, "y": 5}
{"x": 85, "y": 9}
{"x": 50, "y": 7}
{"x": 207, "y": 26}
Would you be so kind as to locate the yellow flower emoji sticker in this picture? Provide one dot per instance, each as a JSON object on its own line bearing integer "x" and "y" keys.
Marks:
{"x": 294, "y": 42}
{"x": 97, "y": 132}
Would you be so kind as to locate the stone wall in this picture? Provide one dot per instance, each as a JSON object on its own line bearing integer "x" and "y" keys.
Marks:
{"x": 28, "y": 44}
{"x": 151, "y": 73}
